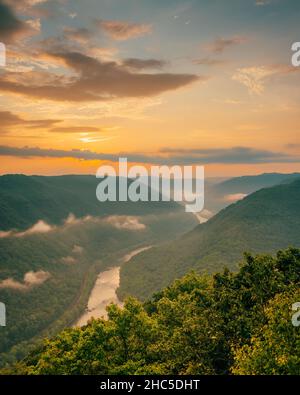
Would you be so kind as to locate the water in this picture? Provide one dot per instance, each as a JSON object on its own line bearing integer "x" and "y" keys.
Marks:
{"x": 104, "y": 291}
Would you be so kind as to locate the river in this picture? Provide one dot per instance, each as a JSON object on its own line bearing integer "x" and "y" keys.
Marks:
{"x": 104, "y": 291}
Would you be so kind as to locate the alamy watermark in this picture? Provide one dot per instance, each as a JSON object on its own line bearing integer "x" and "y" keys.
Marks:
{"x": 160, "y": 183}
{"x": 296, "y": 316}
{"x": 2, "y": 55}
{"x": 296, "y": 54}
{"x": 2, "y": 314}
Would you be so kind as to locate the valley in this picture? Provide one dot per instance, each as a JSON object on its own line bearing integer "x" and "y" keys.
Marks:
{"x": 51, "y": 255}
{"x": 62, "y": 263}
{"x": 104, "y": 290}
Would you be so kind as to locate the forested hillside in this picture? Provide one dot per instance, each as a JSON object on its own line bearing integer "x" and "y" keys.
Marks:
{"x": 55, "y": 238}
{"x": 219, "y": 194}
{"x": 233, "y": 323}
{"x": 24, "y": 200}
{"x": 265, "y": 221}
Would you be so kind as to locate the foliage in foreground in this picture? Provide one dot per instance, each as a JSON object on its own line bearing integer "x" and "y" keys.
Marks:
{"x": 238, "y": 323}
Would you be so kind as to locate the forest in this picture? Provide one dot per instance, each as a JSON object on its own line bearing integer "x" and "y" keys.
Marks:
{"x": 230, "y": 324}
{"x": 265, "y": 221}
{"x": 54, "y": 227}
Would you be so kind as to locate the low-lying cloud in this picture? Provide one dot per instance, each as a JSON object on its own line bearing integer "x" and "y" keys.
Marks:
{"x": 68, "y": 260}
{"x": 40, "y": 227}
{"x": 30, "y": 280}
{"x": 125, "y": 222}
{"x": 231, "y": 198}
{"x": 77, "y": 249}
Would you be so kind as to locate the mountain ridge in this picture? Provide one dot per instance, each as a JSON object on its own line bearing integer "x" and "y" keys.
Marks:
{"x": 263, "y": 222}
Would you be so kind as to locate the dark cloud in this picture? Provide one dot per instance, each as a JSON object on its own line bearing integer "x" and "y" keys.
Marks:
{"x": 167, "y": 156}
{"x": 122, "y": 30}
{"x": 220, "y": 44}
{"x": 208, "y": 62}
{"x": 142, "y": 64}
{"x": 292, "y": 146}
{"x": 233, "y": 155}
{"x": 11, "y": 27}
{"x": 29, "y": 152}
{"x": 37, "y": 8}
{"x": 97, "y": 80}
{"x": 9, "y": 119}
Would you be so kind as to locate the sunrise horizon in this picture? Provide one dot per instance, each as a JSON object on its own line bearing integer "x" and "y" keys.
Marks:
{"x": 84, "y": 86}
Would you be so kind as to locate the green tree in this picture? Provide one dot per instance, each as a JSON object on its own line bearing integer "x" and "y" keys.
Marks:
{"x": 275, "y": 349}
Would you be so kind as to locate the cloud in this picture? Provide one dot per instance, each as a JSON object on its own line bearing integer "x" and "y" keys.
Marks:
{"x": 262, "y": 2}
{"x": 21, "y": 5}
{"x": 116, "y": 221}
{"x": 40, "y": 227}
{"x": 204, "y": 216}
{"x": 81, "y": 35}
{"x": 9, "y": 119}
{"x": 4, "y": 234}
{"x": 95, "y": 81}
{"x": 40, "y": 8}
{"x": 292, "y": 146}
{"x": 122, "y": 30}
{"x": 35, "y": 24}
{"x": 142, "y": 64}
{"x": 125, "y": 222}
{"x": 220, "y": 44}
{"x": 77, "y": 249}
{"x": 255, "y": 78}
{"x": 69, "y": 260}
{"x": 36, "y": 278}
{"x": 167, "y": 156}
{"x": 72, "y": 220}
{"x": 234, "y": 155}
{"x": 231, "y": 198}
{"x": 11, "y": 27}
{"x": 208, "y": 62}
{"x": 31, "y": 279}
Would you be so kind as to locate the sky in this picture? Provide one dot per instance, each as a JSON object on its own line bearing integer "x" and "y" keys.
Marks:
{"x": 196, "y": 82}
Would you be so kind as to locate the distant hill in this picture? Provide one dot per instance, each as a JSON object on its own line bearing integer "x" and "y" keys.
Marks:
{"x": 264, "y": 221}
{"x": 219, "y": 194}
{"x": 249, "y": 184}
{"x": 24, "y": 200}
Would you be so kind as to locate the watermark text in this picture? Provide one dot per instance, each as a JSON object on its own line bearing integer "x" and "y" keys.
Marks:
{"x": 162, "y": 183}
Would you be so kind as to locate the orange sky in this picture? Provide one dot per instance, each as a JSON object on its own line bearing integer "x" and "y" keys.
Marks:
{"x": 123, "y": 87}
